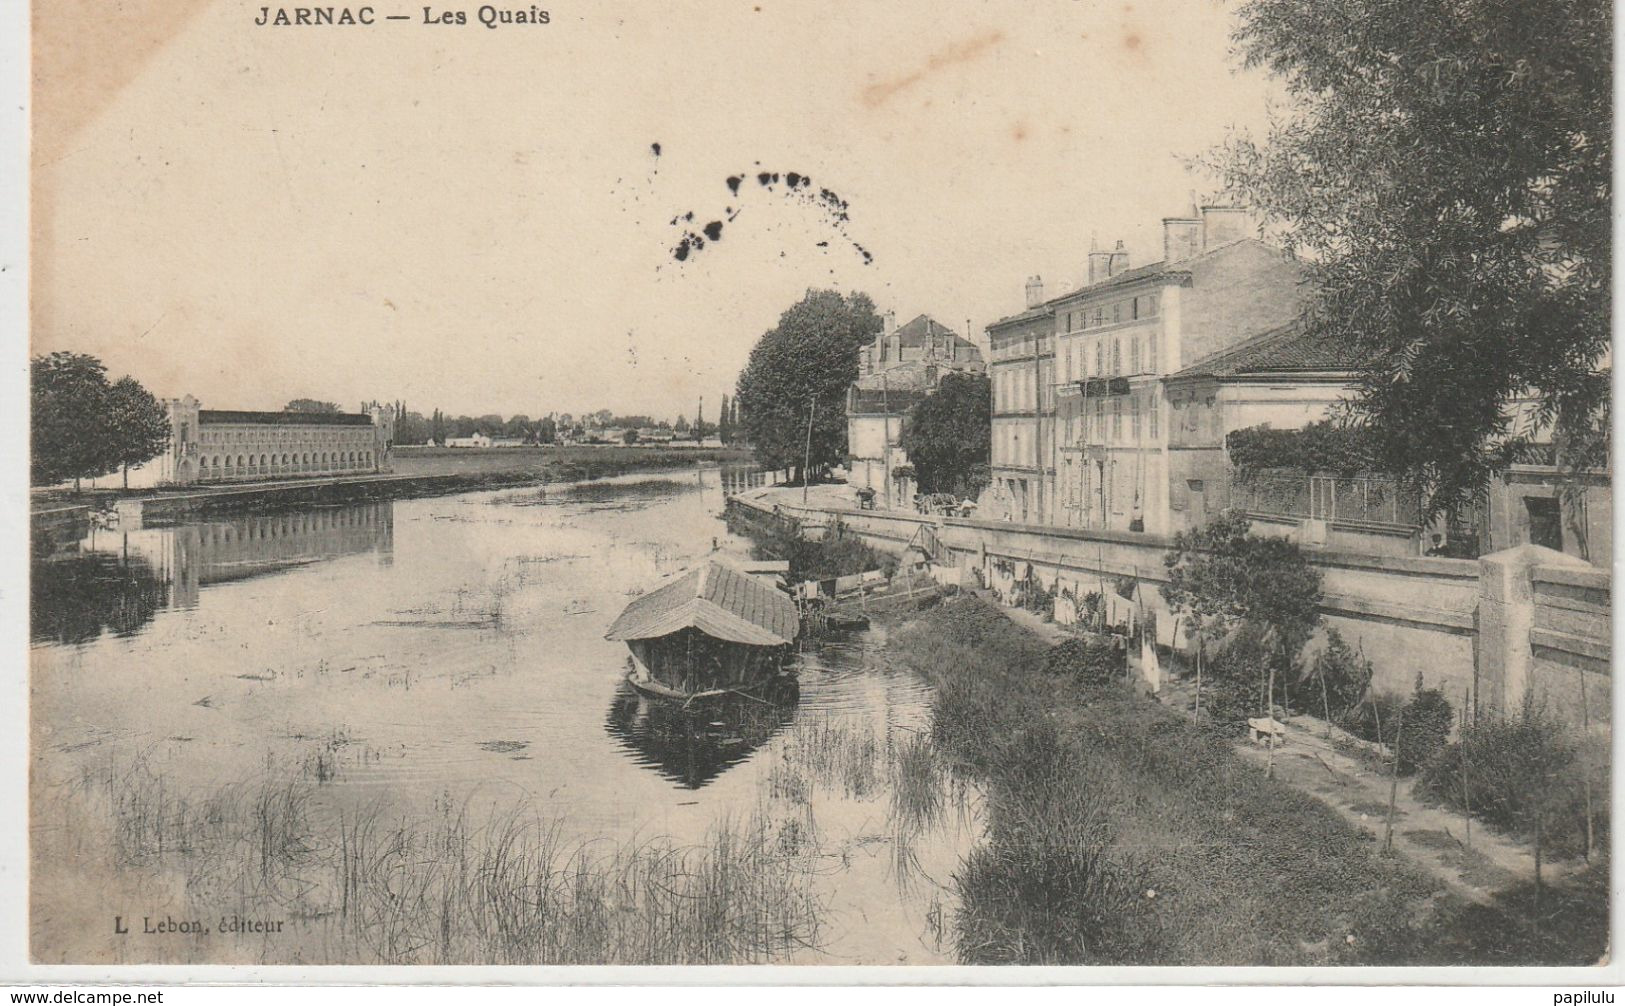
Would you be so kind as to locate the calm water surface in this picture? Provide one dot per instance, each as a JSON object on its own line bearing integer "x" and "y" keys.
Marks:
{"x": 452, "y": 648}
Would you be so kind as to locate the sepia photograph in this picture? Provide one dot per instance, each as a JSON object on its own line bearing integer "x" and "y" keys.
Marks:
{"x": 1070, "y": 483}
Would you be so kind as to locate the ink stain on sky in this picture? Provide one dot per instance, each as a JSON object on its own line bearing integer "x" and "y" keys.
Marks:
{"x": 794, "y": 186}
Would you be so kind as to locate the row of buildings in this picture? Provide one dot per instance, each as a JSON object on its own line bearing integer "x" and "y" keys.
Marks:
{"x": 1112, "y": 401}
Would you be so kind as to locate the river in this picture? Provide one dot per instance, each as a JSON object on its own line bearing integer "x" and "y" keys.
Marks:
{"x": 421, "y": 653}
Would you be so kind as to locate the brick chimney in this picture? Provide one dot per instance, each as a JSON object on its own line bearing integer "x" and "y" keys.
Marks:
{"x": 1119, "y": 261}
{"x": 1222, "y": 224}
{"x": 1181, "y": 238}
{"x": 1035, "y": 291}
{"x": 1100, "y": 264}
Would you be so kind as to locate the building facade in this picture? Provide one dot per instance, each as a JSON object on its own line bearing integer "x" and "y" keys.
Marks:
{"x": 895, "y": 372}
{"x": 1084, "y": 428}
{"x": 220, "y": 445}
{"x": 1021, "y": 369}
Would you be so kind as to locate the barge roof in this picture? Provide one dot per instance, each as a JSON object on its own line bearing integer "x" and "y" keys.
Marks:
{"x": 720, "y": 601}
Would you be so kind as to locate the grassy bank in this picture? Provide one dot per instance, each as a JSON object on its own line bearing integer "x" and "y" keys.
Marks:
{"x": 1121, "y": 832}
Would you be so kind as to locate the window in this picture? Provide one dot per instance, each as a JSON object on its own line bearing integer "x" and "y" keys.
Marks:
{"x": 1134, "y": 355}
{"x": 1151, "y": 415}
{"x": 1100, "y": 367}
{"x": 1117, "y": 419}
{"x": 1117, "y": 357}
{"x": 1134, "y": 419}
{"x": 1153, "y": 363}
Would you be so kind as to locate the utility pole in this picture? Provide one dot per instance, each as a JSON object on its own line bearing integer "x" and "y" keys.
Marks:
{"x": 885, "y": 445}
{"x": 699, "y": 424}
{"x": 806, "y": 460}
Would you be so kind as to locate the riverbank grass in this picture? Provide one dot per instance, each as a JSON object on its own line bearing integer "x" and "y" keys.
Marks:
{"x": 1122, "y": 832}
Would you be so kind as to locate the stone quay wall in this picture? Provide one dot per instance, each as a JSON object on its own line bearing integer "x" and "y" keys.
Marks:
{"x": 1525, "y": 621}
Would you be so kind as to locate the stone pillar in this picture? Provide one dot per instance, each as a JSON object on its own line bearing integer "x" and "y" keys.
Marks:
{"x": 1506, "y": 614}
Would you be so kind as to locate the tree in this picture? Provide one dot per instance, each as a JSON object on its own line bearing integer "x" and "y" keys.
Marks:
{"x": 139, "y": 424}
{"x": 1445, "y": 165}
{"x": 724, "y": 421}
{"x": 71, "y": 431}
{"x": 800, "y": 369}
{"x": 411, "y": 428}
{"x": 682, "y": 424}
{"x": 310, "y": 405}
{"x": 630, "y": 436}
{"x": 949, "y": 435}
{"x": 547, "y": 431}
{"x": 1220, "y": 577}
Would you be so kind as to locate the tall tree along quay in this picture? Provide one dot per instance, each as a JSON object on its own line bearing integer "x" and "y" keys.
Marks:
{"x": 1446, "y": 168}
{"x": 949, "y": 435}
{"x": 83, "y": 427}
{"x": 798, "y": 374}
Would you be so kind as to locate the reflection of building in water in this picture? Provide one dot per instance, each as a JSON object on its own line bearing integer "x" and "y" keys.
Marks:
{"x": 691, "y": 747}
{"x": 76, "y": 594}
{"x": 119, "y": 580}
{"x": 219, "y": 445}
{"x": 240, "y": 547}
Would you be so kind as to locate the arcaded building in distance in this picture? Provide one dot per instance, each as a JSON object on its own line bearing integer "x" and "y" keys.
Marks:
{"x": 223, "y": 445}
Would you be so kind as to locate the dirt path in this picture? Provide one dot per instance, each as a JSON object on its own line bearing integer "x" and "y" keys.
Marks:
{"x": 1472, "y": 860}
{"x": 1325, "y": 762}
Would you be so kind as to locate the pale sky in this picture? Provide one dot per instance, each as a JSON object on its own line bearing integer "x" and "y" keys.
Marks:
{"x": 475, "y": 219}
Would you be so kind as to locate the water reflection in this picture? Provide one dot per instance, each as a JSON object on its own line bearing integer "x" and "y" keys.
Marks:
{"x": 75, "y": 596}
{"x": 222, "y": 551}
{"x": 692, "y": 746}
{"x": 120, "y": 580}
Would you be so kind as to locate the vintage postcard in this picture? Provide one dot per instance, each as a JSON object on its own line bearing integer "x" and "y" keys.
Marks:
{"x": 719, "y": 482}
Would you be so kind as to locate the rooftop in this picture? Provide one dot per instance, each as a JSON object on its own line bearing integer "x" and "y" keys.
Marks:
{"x": 1290, "y": 348}
{"x": 919, "y": 331}
{"x": 207, "y": 416}
{"x": 717, "y": 599}
{"x": 1155, "y": 270}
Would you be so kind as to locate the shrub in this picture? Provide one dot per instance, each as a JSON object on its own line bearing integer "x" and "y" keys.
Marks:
{"x": 1228, "y": 703}
{"x": 1525, "y": 776}
{"x": 1038, "y": 599}
{"x": 1092, "y": 660}
{"x": 1428, "y": 717}
{"x": 1338, "y": 678}
{"x": 1374, "y": 719}
{"x": 838, "y": 555}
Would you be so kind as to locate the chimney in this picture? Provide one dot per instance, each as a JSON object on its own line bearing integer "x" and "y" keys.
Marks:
{"x": 1119, "y": 261}
{"x": 1181, "y": 238}
{"x": 894, "y": 342}
{"x": 1035, "y": 291}
{"x": 1223, "y": 224}
{"x": 1100, "y": 264}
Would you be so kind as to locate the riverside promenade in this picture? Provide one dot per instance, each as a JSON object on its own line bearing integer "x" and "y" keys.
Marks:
{"x": 1493, "y": 628}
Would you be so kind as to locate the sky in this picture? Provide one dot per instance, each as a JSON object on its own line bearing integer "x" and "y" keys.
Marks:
{"x": 480, "y": 220}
